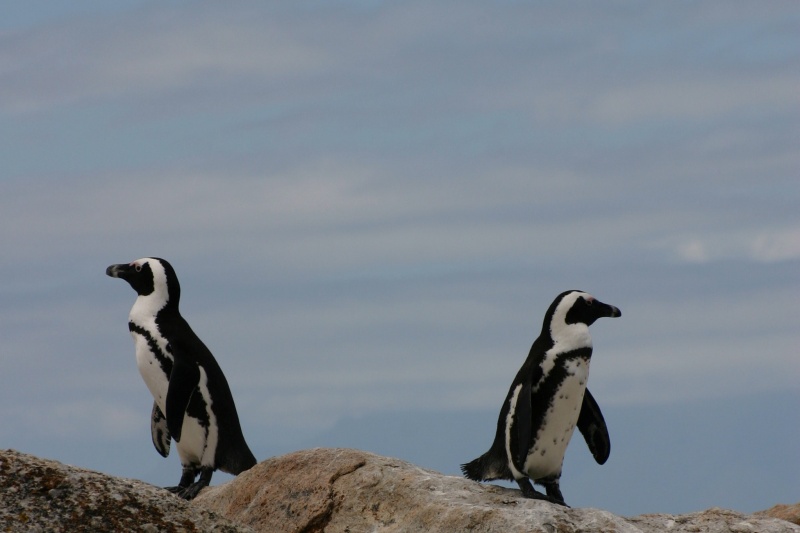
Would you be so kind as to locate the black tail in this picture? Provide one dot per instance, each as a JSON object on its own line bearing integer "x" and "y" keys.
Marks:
{"x": 236, "y": 459}
{"x": 474, "y": 469}
{"x": 491, "y": 465}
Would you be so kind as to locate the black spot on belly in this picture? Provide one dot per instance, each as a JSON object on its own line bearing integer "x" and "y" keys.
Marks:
{"x": 546, "y": 392}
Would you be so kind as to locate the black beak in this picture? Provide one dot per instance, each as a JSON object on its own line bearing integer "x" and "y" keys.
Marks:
{"x": 117, "y": 271}
{"x": 611, "y": 311}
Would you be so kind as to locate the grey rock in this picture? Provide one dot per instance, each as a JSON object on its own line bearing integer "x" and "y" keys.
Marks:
{"x": 342, "y": 490}
{"x": 790, "y": 513}
{"x": 38, "y": 495}
{"x": 314, "y": 491}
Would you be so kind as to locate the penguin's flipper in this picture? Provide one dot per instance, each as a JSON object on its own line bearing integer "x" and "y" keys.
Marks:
{"x": 523, "y": 420}
{"x": 592, "y": 426}
{"x": 159, "y": 431}
{"x": 182, "y": 384}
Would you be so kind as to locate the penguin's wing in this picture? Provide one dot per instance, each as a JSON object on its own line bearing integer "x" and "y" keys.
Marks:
{"x": 523, "y": 420}
{"x": 182, "y": 384}
{"x": 159, "y": 431}
{"x": 592, "y": 426}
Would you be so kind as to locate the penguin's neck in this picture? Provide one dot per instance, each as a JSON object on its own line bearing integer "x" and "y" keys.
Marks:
{"x": 145, "y": 308}
{"x": 568, "y": 337}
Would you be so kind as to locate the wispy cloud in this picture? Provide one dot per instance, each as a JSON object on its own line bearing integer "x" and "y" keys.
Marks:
{"x": 371, "y": 206}
{"x": 765, "y": 246}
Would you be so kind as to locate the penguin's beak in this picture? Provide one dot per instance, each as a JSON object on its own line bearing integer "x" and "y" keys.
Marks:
{"x": 118, "y": 271}
{"x": 611, "y": 311}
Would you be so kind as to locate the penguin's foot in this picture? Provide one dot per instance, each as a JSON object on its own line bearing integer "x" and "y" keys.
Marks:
{"x": 190, "y": 492}
{"x": 188, "y": 488}
{"x": 554, "y": 492}
{"x": 529, "y": 492}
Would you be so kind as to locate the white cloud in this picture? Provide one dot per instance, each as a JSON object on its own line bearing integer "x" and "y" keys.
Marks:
{"x": 148, "y": 52}
{"x": 779, "y": 245}
{"x": 271, "y": 55}
{"x": 698, "y": 99}
{"x": 698, "y": 368}
{"x": 693, "y": 251}
{"x": 353, "y": 215}
{"x": 764, "y": 246}
{"x": 70, "y": 419}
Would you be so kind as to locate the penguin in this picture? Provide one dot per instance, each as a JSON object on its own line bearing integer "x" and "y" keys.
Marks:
{"x": 193, "y": 404}
{"x": 545, "y": 402}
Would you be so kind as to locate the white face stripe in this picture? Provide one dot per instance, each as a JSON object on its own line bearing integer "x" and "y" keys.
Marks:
{"x": 152, "y": 303}
{"x": 567, "y": 337}
{"x": 563, "y": 307}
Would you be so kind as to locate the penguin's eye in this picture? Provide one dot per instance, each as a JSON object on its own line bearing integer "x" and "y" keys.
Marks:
{"x": 138, "y": 268}
{"x": 589, "y": 302}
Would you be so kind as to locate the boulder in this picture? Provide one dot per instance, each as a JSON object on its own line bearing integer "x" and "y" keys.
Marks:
{"x": 790, "y": 513}
{"x": 318, "y": 490}
{"x": 39, "y": 495}
{"x": 344, "y": 490}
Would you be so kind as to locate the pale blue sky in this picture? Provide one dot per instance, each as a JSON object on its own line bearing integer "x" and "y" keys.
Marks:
{"x": 370, "y": 205}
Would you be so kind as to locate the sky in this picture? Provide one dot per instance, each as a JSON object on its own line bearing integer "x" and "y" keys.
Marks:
{"x": 370, "y": 205}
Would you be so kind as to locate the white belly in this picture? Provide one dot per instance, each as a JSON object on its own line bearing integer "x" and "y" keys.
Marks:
{"x": 547, "y": 455}
{"x": 150, "y": 369}
{"x": 192, "y": 446}
{"x": 198, "y": 444}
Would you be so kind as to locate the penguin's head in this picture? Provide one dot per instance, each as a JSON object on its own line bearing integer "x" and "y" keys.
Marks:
{"x": 149, "y": 275}
{"x": 575, "y": 310}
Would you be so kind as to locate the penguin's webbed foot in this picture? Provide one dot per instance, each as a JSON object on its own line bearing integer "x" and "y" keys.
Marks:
{"x": 187, "y": 487}
{"x": 554, "y": 492}
{"x": 187, "y": 493}
{"x": 528, "y": 491}
{"x": 190, "y": 492}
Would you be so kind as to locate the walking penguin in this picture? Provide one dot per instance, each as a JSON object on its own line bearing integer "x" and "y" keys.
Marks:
{"x": 193, "y": 403}
{"x": 547, "y": 399}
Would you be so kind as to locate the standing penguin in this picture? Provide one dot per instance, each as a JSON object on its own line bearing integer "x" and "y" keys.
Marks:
{"x": 547, "y": 399}
{"x": 193, "y": 403}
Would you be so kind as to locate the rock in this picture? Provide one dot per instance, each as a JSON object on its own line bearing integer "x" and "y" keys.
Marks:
{"x": 315, "y": 491}
{"x": 712, "y": 521}
{"x": 39, "y": 495}
{"x": 341, "y": 490}
{"x": 790, "y": 513}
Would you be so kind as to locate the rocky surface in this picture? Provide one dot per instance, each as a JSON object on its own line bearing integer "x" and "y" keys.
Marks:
{"x": 340, "y": 490}
{"x": 38, "y": 495}
{"x": 319, "y": 490}
{"x": 790, "y": 513}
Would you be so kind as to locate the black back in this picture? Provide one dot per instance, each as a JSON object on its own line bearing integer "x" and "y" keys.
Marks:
{"x": 232, "y": 455}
